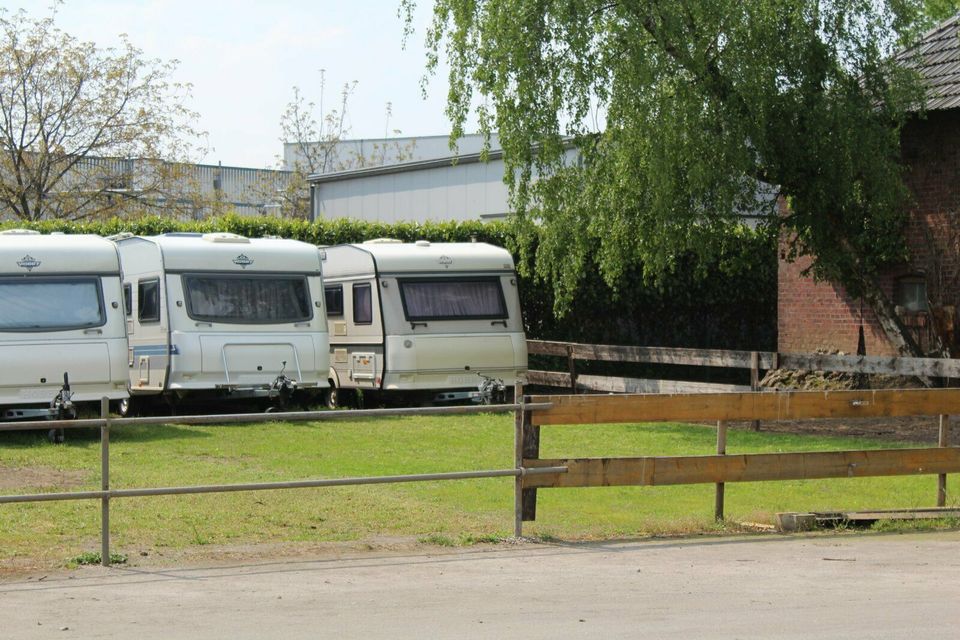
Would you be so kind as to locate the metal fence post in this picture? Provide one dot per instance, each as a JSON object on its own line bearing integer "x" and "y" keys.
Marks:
{"x": 755, "y": 379}
{"x": 105, "y": 482}
{"x": 943, "y": 440}
{"x": 721, "y": 449}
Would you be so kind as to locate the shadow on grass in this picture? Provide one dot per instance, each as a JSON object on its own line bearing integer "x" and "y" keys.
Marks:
{"x": 84, "y": 437}
{"x": 151, "y": 433}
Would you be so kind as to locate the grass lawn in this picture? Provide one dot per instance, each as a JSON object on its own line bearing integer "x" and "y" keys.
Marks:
{"x": 459, "y": 511}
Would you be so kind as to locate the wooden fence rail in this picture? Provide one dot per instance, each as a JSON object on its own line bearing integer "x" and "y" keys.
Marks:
{"x": 656, "y": 355}
{"x": 755, "y": 361}
{"x": 723, "y": 468}
{"x": 709, "y": 407}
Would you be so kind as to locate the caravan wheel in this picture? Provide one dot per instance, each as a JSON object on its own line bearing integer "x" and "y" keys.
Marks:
{"x": 331, "y": 397}
{"x": 125, "y": 407}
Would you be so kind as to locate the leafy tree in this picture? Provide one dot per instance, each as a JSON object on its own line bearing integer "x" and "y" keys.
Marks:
{"x": 687, "y": 114}
{"x": 319, "y": 147}
{"x": 85, "y": 131}
{"x": 317, "y": 144}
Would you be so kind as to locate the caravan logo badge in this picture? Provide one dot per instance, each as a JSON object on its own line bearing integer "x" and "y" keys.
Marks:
{"x": 242, "y": 261}
{"x": 446, "y": 261}
{"x": 28, "y": 262}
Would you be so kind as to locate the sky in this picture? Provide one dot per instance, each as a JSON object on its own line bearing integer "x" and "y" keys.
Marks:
{"x": 243, "y": 58}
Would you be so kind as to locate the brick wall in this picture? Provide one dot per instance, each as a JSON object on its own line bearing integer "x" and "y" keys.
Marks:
{"x": 814, "y": 316}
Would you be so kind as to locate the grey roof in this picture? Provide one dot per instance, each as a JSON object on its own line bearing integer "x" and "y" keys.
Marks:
{"x": 937, "y": 57}
{"x": 401, "y": 167}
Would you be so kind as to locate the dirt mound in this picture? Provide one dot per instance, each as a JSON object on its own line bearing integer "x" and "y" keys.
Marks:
{"x": 40, "y": 478}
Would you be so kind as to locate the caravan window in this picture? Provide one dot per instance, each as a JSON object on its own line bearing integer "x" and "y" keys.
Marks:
{"x": 334, "y": 299}
{"x": 362, "y": 304}
{"x": 148, "y": 300}
{"x": 453, "y": 299}
{"x": 50, "y": 304}
{"x": 128, "y": 299}
{"x": 266, "y": 299}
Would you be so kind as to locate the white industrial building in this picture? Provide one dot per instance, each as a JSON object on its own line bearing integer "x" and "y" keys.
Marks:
{"x": 416, "y": 180}
{"x": 179, "y": 190}
{"x": 458, "y": 188}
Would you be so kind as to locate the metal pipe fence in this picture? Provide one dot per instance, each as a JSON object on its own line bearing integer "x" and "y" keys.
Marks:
{"x": 290, "y": 416}
{"x": 105, "y": 423}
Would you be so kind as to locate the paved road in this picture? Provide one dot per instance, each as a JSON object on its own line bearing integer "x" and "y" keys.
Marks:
{"x": 846, "y": 586}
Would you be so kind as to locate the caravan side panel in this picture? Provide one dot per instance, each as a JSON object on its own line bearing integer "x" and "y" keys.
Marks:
{"x": 446, "y": 342}
{"x": 220, "y": 355}
{"x": 220, "y": 326}
{"x": 451, "y": 353}
{"x": 61, "y": 312}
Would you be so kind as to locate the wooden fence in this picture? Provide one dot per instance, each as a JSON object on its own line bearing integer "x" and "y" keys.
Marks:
{"x": 755, "y": 361}
{"x": 532, "y": 473}
{"x": 724, "y": 467}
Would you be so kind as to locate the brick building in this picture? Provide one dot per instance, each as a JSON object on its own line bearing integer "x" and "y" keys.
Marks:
{"x": 821, "y": 316}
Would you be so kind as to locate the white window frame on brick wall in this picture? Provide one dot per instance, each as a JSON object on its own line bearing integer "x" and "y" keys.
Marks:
{"x": 910, "y": 293}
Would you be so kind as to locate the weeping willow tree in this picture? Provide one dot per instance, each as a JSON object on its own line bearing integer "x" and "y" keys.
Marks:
{"x": 684, "y": 116}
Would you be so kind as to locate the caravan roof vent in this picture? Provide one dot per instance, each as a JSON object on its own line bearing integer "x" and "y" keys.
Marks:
{"x": 123, "y": 235}
{"x": 19, "y": 232}
{"x": 423, "y": 243}
{"x": 225, "y": 238}
{"x": 383, "y": 241}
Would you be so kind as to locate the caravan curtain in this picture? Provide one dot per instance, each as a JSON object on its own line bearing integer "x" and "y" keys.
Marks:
{"x": 453, "y": 299}
{"x": 247, "y": 300}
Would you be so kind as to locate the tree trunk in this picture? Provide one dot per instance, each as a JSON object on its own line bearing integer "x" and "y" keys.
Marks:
{"x": 893, "y": 328}
{"x": 890, "y": 322}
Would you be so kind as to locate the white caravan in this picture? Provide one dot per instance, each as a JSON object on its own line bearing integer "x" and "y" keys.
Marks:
{"x": 222, "y": 315}
{"x": 62, "y": 333}
{"x": 430, "y": 318}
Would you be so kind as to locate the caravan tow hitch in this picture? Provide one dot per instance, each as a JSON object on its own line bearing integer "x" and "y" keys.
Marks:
{"x": 281, "y": 390}
{"x": 61, "y": 408}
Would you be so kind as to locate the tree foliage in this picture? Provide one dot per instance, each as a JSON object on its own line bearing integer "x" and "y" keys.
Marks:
{"x": 687, "y": 114}
{"x": 317, "y": 143}
{"x": 73, "y": 116}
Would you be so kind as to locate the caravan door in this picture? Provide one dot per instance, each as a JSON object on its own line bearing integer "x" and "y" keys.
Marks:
{"x": 149, "y": 349}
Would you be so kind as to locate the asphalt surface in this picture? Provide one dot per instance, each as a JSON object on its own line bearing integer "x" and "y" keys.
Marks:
{"x": 822, "y": 586}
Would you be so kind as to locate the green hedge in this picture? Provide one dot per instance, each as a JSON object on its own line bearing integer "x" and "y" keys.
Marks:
{"x": 727, "y": 304}
{"x": 320, "y": 232}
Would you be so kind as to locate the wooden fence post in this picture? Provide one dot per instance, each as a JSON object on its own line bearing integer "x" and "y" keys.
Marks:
{"x": 530, "y": 450}
{"x": 721, "y": 449}
{"x": 572, "y": 367}
{"x": 943, "y": 441}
